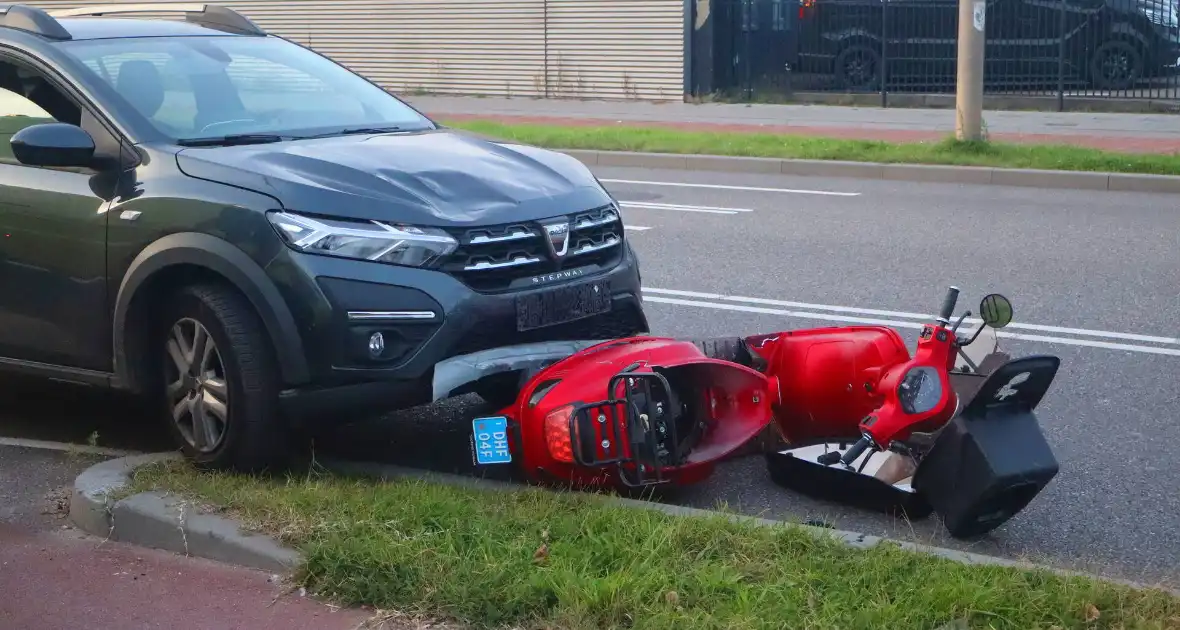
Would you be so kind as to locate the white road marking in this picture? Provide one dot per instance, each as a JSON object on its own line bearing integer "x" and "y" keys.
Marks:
{"x": 743, "y": 308}
{"x": 657, "y": 204}
{"x": 64, "y": 447}
{"x": 641, "y": 205}
{"x": 1083, "y": 332}
{"x": 637, "y": 228}
{"x": 792, "y": 191}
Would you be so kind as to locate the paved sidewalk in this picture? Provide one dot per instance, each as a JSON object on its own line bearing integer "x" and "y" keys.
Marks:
{"x": 54, "y": 577}
{"x": 67, "y": 581}
{"x": 1139, "y": 133}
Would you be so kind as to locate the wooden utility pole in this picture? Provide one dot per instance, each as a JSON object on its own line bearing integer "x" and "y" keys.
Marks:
{"x": 969, "y": 80}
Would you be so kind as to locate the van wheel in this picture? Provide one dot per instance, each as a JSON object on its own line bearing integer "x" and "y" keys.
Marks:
{"x": 1116, "y": 65}
{"x": 858, "y": 68}
{"x": 217, "y": 378}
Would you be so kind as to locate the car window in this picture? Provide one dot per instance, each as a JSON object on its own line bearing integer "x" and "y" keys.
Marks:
{"x": 176, "y": 110}
{"x": 198, "y": 87}
{"x": 25, "y": 100}
{"x": 16, "y": 113}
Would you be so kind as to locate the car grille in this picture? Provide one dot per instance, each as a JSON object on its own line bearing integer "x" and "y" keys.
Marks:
{"x": 497, "y": 257}
{"x": 625, "y": 322}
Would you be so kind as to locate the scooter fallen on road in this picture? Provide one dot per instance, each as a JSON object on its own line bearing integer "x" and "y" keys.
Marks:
{"x": 950, "y": 429}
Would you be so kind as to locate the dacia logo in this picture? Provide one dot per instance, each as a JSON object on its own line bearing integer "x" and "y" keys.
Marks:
{"x": 557, "y": 237}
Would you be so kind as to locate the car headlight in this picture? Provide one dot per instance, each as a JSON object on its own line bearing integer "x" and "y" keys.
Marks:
{"x": 364, "y": 240}
{"x": 920, "y": 390}
{"x": 1163, "y": 16}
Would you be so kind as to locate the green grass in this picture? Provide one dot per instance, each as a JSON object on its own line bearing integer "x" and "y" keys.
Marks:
{"x": 949, "y": 151}
{"x": 561, "y": 560}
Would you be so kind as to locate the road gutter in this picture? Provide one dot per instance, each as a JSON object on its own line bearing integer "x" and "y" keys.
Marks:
{"x": 928, "y": 173}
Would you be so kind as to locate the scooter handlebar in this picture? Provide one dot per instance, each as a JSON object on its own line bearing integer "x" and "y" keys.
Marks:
{"x": 851, "y": 454}
{"x": 948, "y": 304}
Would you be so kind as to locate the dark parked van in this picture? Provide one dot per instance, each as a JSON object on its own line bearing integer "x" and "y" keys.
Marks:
{"x": 1108, "y": 44}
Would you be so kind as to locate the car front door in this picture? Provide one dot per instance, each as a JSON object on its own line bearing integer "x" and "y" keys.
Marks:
{"x": 54, "y": 306}
{"x": 921, "y": 47}
{"x": 1022, "y": 44}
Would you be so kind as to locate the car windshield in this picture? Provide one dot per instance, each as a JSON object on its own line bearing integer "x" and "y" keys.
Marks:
{"x": 192, "y": 88}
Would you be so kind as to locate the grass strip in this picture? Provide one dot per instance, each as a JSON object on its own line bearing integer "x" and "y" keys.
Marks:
{"x": 538, "y": 559}
{"x": 767, "y": 145}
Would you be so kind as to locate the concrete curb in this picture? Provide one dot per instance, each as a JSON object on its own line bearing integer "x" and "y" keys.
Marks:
{"x": 1072, "y": 180}
{"x": 161, "y": 521}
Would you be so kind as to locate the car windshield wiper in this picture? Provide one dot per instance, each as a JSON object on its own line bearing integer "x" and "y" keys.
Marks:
{"x": 356, "y": 131}
{"x": 232, "y": 140}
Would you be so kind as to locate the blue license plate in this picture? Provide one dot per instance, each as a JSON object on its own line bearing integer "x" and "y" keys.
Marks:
{"x": 490, "y": 437}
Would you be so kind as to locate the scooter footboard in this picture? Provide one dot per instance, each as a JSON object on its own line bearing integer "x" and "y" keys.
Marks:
{"x": 797, "y": 469}
{"x": 991, "y": 460}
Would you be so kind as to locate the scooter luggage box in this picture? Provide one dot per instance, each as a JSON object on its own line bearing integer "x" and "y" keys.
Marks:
{"x": 989, "y": 462}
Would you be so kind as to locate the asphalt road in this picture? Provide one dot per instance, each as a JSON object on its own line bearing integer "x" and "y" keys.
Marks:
{"x": 1093, "y": 277}
{"x": 35, "y": 486}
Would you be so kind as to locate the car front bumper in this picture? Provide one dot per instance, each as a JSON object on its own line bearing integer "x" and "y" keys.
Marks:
{"x": 425, "y": 317}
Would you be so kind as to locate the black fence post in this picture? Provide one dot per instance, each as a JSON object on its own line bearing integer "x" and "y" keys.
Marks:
{"x": 689, "y": 50}
{"x": 1061, "y": 57}
{"x": 884, "y": 52}
{"x": 748, "y": 9}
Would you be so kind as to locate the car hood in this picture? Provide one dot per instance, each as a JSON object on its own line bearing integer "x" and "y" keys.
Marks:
{"x": 436, "y": 178}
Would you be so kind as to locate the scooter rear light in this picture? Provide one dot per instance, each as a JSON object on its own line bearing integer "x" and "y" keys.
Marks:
{"x": 557, "y": 434}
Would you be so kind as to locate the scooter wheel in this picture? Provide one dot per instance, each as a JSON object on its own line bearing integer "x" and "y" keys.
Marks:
{"x": 724, "y": 348}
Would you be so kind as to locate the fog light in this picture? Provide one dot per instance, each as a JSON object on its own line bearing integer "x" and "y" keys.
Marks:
{"x": 376, "y": 345}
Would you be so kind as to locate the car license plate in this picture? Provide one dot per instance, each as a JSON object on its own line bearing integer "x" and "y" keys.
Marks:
{"x": 561, "y": 305}
{"x": 490, "y": 438}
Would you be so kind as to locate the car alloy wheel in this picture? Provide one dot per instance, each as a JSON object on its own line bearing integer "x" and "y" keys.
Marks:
{"x": 198, "y": 393}
{"x": 1117, "y": 65}
{"x": 858, "y": 68}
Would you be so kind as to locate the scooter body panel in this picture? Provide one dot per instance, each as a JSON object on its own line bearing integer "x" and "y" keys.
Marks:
{"x": 711, "y": 405}
{"x": 828, "y": 377}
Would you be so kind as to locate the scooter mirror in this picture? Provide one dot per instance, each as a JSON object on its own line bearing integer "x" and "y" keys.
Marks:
{"x": 995, "y": 310}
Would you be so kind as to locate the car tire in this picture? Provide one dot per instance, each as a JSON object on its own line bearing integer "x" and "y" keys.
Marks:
{"x": 231, "y": 388}
{"x": 499, "y": 391}
{"x": 1116, "y": 65}
{"x": 732, "y": 349}
{"x": 858, "y": 68}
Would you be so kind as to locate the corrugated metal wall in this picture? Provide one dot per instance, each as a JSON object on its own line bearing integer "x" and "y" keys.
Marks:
{"x": 616, "y": 49}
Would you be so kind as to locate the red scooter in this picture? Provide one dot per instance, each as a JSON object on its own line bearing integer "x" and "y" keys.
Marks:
{"x": 863, "y": 421}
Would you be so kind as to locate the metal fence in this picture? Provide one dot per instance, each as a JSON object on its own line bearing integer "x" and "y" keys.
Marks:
{"x": 771, "y": 49}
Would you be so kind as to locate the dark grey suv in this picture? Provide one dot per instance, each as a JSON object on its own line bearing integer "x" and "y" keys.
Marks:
{"x": 253, "y": 236}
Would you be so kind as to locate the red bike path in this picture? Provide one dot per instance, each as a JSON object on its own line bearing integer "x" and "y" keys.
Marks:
{"x": 63, "y": 580}
{"x": 1122, "y": 144}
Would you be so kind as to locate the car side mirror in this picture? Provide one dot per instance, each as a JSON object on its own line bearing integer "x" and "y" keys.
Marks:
{"x": 53, "y": 144}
